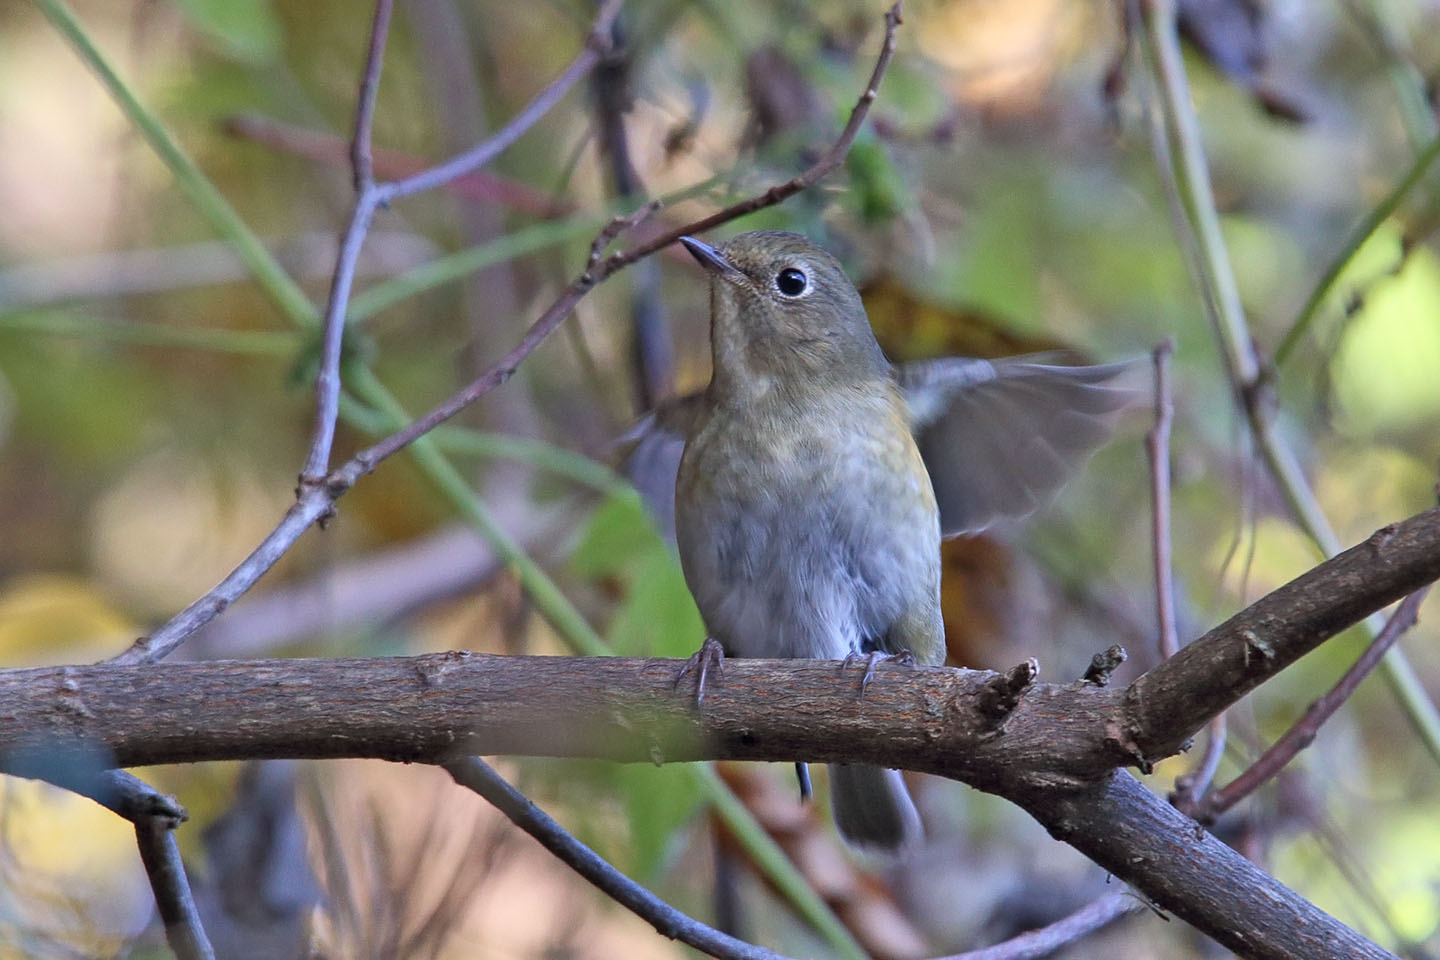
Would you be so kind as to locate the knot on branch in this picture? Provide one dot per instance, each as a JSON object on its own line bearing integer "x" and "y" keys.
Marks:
{"x": 1003, "y": 692}
{"x": 1103, "y": 664}
{"x": 431, "y": 670}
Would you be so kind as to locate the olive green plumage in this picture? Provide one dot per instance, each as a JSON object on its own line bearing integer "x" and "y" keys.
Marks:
{"x": 806, "y": 508}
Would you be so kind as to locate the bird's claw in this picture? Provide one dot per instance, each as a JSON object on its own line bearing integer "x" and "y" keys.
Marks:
{"x": 710, "y": 656}
{"x": 871, "y": 659}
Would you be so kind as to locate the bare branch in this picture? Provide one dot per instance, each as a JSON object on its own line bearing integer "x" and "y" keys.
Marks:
{"x": 161, "y": 856}
{"x": 1302, "y": 734}
{"x": 1035, "y": 944}
{"x": 366, "y": 460}
{"x": 1157, "y": 449}
{"x": 362, "y": 164}
{"x": 482, "y": 153}
{"x": 1184, "y": 692}
{"x": 327, "y": 377}
{"x": 474, "y": 773}
{"x": 313, "y": 504}
{"x": 327, "y": 148}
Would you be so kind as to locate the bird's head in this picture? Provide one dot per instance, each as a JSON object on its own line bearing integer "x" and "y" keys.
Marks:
{"x": 783, "y": 314}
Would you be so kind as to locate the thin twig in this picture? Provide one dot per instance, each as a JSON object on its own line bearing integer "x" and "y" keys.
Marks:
{"x": 373, "y": 196}
{"x": 327, "y": 377}
{"x": 1157, "y": 449}
{"x": 132, "y": 798}
{"x": 155, "y": 816}
{"x": 1247, "y": 374}
{"x": 362, "y": 164}
{"x": 1035, "y": 944}
{"x": 366, "y": 459}
{"x": 1302, "y": 734}
{"x": 482, "y": 153}
{"x": 327, "y": 148}
{"x": 316, "y": 501}
{"x": 476, "y": 775}
{"x": 161, "y": 856}
{"x": 312, "y": 504}
{"x": 1190, "y": 787}
{"x": 651, "y": 351}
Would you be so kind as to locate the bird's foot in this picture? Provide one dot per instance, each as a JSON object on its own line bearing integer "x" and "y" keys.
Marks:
{"x": 710, "y": 656}
{"x": 871, "y": 659}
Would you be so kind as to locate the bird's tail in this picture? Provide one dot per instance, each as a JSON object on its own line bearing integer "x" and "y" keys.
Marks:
{"x": 872, "y": 807}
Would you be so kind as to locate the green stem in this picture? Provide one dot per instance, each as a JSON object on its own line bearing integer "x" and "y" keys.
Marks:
{"x": 1362, "y": 232}
{"x": 260, "y": 343}
{"x": 283, "y": 290}
{"x": 1242, "y": 364}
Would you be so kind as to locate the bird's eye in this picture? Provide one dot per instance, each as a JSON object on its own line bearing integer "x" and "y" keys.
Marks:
{"x": 791, "y": 282}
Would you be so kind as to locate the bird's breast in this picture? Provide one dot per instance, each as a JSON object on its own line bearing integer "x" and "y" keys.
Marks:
{"x": 807, "y": 531}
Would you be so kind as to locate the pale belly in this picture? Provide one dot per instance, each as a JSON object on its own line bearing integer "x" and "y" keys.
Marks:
{"x": 809, "y": 549}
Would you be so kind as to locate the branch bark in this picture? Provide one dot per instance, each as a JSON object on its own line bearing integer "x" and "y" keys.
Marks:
{"x": 1054, "y": 749}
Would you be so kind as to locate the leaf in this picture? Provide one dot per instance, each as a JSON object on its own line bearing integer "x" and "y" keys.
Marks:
{"x": 245, "y": 30}
{"x": 655, "y": 614}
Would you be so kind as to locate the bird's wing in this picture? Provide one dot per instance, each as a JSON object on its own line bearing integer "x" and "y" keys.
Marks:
{"x": 1000, "y": 437}
{"x": 651, "y": 451}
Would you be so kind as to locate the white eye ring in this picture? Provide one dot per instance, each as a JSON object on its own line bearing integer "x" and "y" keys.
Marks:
{"x": 792, "y": 283}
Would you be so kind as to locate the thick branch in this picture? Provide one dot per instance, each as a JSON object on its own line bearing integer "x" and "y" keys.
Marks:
{"x": 1182, "y": 868}
{"x": 435, "y": 708}
{"x": 1172, "y": 701}
{"x": 1050, "y": 748}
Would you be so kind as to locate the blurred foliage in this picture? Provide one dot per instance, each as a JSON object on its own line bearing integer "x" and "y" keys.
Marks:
{"x": 154, "y": 410}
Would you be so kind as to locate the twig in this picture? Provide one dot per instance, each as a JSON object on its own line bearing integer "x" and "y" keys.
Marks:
{"x": 598, "y": 272}
{"x": 161, "y": 856}
{"x": 1190, "y": 787}
{"x": 1302, "y": 734}
{"x": 1035, "y": 944}
{"x": 475, "y": 774}
{"x": 323, "y": 147}
{"x": 313, "y": 503}
{"x": 651, "y": 352}
{"x": 362, "y": 164}
{"x": 327, "y": 377}
{"x": 1237, "y": 348}
{"x": 155, "y": 816}
{"x": 1362, "y": 232}
{"x": 373, "y": 196}
{"x": 1157, "y": 448}
{"x": 482, "y": 153}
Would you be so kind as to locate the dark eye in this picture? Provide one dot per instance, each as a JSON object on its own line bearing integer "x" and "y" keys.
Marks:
{"x": 791, "y": 282}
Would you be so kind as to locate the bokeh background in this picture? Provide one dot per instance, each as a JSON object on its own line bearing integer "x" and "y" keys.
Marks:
{"x": 155, "y": 405}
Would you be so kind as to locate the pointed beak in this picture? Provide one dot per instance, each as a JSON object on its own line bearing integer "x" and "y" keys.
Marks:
{"x": 709, "y": 258}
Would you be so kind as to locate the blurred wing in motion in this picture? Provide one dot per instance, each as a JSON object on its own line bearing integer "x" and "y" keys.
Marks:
{"x": 651, "y": 451}
{"x": 1000, "y": 437}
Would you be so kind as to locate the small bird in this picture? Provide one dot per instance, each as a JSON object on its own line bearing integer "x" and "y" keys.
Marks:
{"x": 817, "y": 480}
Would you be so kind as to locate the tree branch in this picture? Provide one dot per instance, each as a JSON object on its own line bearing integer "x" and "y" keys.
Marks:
{"x": 161, "y": 856}
{"x": 1051, "y": 748}
{"x": 478, "y": 776}
{"x": 1302, "y": 734}
{"x": 1035, "y": 944}
{"x": 1172, "y": 701}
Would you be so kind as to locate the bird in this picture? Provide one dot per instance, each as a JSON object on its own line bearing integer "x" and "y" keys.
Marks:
{"x": 815, "y": 479}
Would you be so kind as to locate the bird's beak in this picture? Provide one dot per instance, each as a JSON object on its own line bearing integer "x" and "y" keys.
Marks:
{"x": 710, "y": 258}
